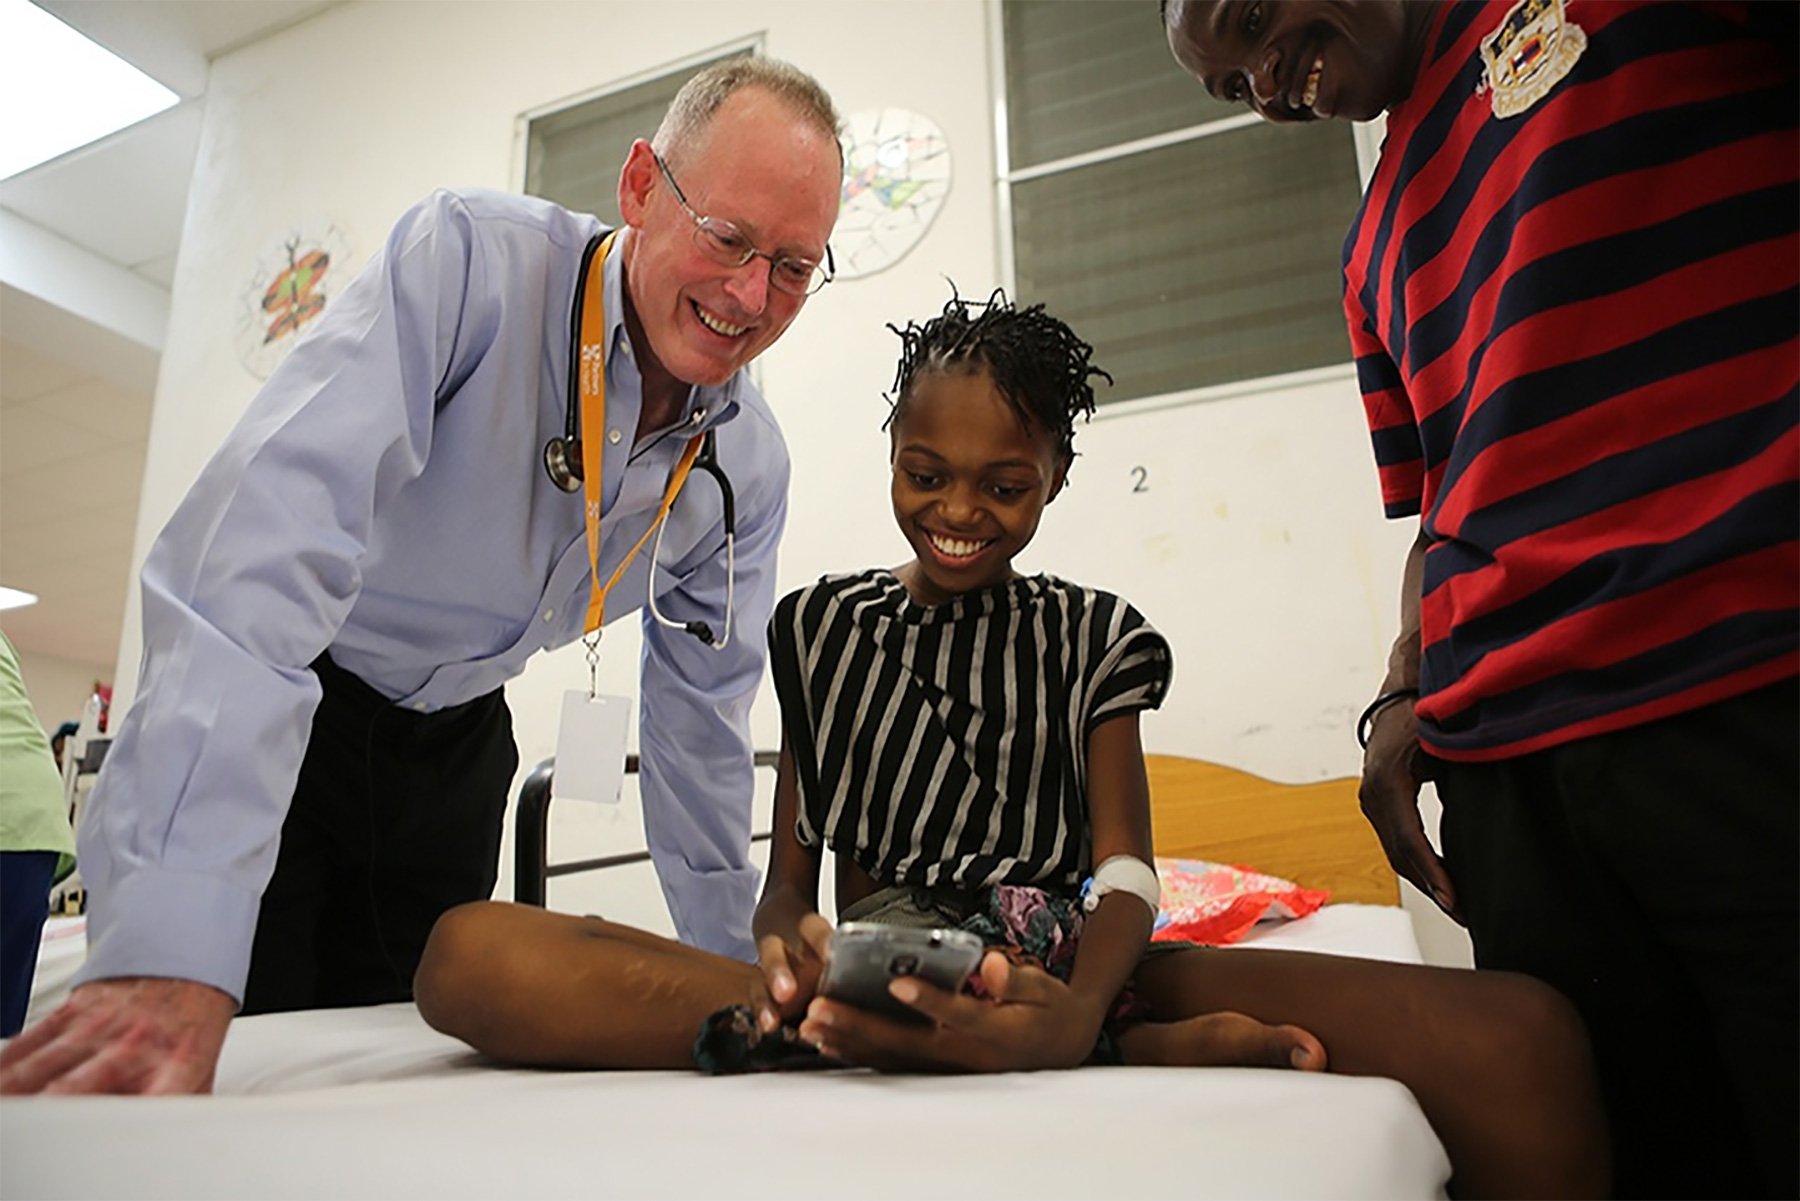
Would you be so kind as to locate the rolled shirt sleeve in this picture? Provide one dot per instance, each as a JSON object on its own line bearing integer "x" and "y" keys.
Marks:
{"x": 696, "y": 769}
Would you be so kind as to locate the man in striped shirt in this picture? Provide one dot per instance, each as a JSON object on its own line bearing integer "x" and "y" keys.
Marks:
{"x": 1573, "y": 292}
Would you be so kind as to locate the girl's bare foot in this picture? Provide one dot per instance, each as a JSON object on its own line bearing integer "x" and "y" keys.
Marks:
{"x": 1222, "y": 1040}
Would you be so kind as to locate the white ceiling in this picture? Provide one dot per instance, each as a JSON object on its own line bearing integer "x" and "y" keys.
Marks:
{"x": 88, "y": 244}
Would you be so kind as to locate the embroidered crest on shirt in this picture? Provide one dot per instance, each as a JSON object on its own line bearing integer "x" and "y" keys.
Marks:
{"x": 1528, "y": 53}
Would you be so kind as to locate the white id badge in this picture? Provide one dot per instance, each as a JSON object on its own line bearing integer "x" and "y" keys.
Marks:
{"x": 590, "y": 747}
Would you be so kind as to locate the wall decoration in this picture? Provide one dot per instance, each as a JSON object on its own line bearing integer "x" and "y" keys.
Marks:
{"x": 295, "y": 277}
{"x": 896, "y": 175}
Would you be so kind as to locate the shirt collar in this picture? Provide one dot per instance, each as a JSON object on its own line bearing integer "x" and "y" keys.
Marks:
{"x": 720, "y": 402}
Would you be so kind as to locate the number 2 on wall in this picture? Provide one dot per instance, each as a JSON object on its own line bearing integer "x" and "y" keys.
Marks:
{"x": 1140, "y": 479}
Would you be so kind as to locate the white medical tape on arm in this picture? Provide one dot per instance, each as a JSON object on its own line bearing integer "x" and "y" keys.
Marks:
{"x": 1124, "y": 873}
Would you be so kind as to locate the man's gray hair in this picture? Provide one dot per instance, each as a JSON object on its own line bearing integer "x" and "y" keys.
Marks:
{"x": 694, "y": 106}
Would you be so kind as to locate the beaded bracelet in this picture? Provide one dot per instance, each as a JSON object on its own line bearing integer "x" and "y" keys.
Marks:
{"x": 1365, "y": 723}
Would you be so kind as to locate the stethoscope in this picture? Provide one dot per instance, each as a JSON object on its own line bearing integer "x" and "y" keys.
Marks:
{"x": 562, "y": 463}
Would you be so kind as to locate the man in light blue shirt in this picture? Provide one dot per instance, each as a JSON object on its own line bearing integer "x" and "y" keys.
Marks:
{"x": 331, "y": 613}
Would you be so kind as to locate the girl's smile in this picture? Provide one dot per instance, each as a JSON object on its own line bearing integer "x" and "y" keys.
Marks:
{"x": 971, "y": 479}
{"x": 957, "y": 552}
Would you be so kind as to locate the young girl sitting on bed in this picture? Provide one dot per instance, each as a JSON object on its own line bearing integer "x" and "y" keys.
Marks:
{"x": 966, "y": 740}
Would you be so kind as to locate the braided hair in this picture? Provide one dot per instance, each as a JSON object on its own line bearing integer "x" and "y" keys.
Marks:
{"x": 1036, "y": 361}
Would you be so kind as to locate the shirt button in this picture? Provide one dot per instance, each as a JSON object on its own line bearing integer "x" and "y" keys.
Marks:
{"x": 419, "y": 705}
{"x": 549, "y": 613}
{"x": 613, "y": 436}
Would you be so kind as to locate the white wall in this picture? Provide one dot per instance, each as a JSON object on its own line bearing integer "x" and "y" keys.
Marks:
{"x": 1259, "y": 547}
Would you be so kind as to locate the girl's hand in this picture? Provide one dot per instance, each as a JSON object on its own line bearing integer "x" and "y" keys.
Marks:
{"x": 792, "y": 957}
{"x": 1030, "y": 1021}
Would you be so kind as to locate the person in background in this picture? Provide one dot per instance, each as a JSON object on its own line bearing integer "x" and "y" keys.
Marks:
{"x": 63, "y": 733}
{"x": 37, "y": 848}
{"x": 1573, "y": 294}
{"x": 318, "y": 760}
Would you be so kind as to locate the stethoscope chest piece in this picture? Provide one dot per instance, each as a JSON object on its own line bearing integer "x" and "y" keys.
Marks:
{"x": 562, "y": 460}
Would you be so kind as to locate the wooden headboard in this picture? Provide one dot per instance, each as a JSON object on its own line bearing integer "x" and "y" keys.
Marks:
{"x": 1312, "y": 834}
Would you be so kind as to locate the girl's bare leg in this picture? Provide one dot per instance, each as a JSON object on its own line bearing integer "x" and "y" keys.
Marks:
{"x": 1499, "y": 1062}
{"x": 529, "y": 986}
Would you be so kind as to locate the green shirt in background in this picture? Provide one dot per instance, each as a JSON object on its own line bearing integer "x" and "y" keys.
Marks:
{"x": 31, "y": 795}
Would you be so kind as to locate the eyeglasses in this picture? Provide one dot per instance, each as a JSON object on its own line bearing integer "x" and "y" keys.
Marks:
{"x": 726, "y": 245}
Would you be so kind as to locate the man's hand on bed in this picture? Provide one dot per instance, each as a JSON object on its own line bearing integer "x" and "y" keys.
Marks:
{"x": 129, "y": 1035}
{"x": 1393, "y": 772}
{"x": 1031, "y": 1020}
{"x": 792, "y": 961}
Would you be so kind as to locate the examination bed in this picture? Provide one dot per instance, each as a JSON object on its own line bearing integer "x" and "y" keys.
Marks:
{"x": 372, "y": 1103}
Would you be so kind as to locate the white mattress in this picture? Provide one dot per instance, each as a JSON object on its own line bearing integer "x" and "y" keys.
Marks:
{"x": 372, "y": 1103}
{"x": 60, "y": 955}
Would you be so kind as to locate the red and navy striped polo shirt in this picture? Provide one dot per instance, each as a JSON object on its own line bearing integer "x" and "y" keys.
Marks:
{"x": 1574, "y": 295}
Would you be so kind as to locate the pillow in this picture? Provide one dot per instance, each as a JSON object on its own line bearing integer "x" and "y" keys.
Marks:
{"x": 1215, "y": 903}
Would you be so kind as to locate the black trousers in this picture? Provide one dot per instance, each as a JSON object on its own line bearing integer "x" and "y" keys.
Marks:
{"x": 1652, "y": 876}
{"x": 396, "y": 818}
{"x": 26, "y": 878}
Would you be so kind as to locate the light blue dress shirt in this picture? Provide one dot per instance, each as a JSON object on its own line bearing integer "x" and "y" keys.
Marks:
{"x": 384, "y": 497}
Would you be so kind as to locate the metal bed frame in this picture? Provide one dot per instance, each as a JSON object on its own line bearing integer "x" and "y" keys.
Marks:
{"x": 532, "y": 868}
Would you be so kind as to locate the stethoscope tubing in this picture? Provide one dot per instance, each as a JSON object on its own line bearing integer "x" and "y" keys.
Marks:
{"x": 562, "y": 456}
{"x": 708, "y": 461}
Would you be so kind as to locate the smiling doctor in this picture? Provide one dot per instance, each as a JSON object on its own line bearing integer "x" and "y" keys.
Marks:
{"x": 425, "y": 494}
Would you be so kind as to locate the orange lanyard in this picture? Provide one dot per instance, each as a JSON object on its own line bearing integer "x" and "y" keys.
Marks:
{"x": 591, "y": 363}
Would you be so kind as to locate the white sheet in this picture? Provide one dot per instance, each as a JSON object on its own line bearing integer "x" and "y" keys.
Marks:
{"x": 60, "y": 955}
{"x": 372, "y": 1103}
{"x": 1365, "y": 931}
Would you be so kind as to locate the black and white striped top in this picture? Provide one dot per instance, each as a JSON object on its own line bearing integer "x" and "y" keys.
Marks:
{"x": 947, "y": 745}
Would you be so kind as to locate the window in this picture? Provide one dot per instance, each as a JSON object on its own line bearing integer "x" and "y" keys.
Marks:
{"x": 1189, "y": 241}
{"x": 573, "y": 154}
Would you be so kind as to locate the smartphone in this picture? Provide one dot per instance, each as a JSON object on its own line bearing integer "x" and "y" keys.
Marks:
{"x": 866, "y": 955}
